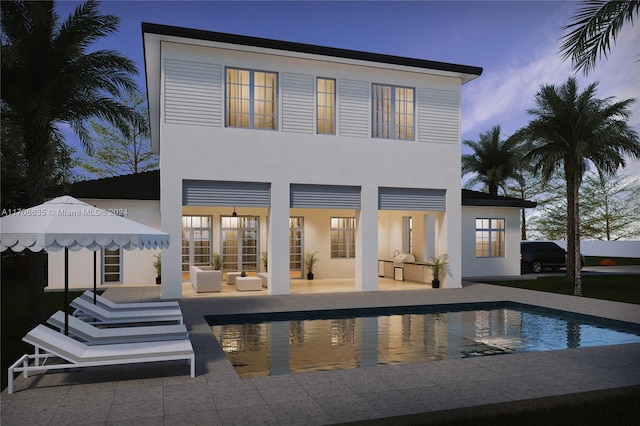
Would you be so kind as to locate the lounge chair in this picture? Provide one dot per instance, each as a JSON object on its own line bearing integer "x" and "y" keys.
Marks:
{"x": 49, "y": 343}
{"x": 93, "y": 335}
{"x": 108, "y": 304}
{"x": 98, "y": 314}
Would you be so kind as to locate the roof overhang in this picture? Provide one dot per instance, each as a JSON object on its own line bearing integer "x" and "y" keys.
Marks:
{"x": 482, "y": 199}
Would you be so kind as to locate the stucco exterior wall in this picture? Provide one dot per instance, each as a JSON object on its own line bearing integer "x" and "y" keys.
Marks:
{"x": 495, "y": 266}
{"x": 292, "y": 155}
{"x": 137, "y": 265}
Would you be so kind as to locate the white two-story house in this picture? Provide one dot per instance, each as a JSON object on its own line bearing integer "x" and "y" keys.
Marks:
{"x": 285, "y": 148}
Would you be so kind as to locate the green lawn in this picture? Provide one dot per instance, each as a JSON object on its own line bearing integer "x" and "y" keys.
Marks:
{"x": 619, "y": 288}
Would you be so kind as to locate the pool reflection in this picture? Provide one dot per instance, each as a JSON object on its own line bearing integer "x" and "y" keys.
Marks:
{"x": 283, "y": 347}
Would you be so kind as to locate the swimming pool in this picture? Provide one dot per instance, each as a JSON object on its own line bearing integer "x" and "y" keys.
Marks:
{"x": 295, "y": 342}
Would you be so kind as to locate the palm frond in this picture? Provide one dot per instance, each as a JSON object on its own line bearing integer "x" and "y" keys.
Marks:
{"x": 593, "y": 29}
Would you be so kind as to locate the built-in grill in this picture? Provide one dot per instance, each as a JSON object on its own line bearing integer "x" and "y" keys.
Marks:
{"x": 398, "y": 264}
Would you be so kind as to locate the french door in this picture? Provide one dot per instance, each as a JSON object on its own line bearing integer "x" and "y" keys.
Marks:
{"x": 239, "y": 242}
{"x": 196, "y": 242}
{"x": 296, "y": 246}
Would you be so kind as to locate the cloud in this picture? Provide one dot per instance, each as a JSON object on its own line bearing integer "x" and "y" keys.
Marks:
{"x": 503, "y": 95}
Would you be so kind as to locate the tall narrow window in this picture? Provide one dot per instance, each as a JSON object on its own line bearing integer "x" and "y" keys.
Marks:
{"x": 407, "y": 234}
{"x": 111, "y": 266}
{"x": 490, "y": 237}
{"x": 393, "y": 112}
{"x": 343, "y": 237}
{"x": 326, "y": 106}
{"x": 239, "y": 242}
{"x": 196, "y": 242}
{"x": 251, "y": 99}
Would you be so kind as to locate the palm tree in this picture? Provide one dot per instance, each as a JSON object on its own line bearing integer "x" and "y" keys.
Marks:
{"x": 49, "y": 79}
{"x": 594, "y": 25}
{"x": 571, "y": 130}
{"x": 493, "y": 161}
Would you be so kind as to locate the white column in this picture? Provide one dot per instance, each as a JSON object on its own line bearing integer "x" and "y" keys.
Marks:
{"x": 278, "y": 241}
{"x": 171, "y": 214}
{"x": 429, "y": 236}
{"x": 367, "y": 240}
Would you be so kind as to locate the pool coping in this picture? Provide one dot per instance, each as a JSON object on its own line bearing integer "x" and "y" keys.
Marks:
{"x": 424, "y": 391}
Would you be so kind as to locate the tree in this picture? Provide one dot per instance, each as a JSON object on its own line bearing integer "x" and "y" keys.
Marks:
{"x": 569, "y": 131}
{"x": 493, "y": 161}
{"x": 115, "y": 153}
{"x": 49, "y": 78}
{"x": 527, "y": 186}
{"x": 611, "y": 207}
{"x": 593, "y": 27}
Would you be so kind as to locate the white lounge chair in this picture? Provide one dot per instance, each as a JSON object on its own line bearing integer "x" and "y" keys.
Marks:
{"x": 49, "y": 343}
{"x": 93, "y": 335}
{"x": 99, "y": 314}
{"x": 109, "y": 304}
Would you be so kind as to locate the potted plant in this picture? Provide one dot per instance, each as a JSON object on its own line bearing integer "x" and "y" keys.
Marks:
{"x": 438, "y": 266}
{"x": 243, "y": 274}
{"x": 217, "y": 261}
{"x": 157, "y": 264}
{"x": 264, "y": 259}
{"x": 310, "y": 261}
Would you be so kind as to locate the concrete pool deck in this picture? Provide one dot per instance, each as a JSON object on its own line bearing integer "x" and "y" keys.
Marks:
{"x": 163, "y": 393}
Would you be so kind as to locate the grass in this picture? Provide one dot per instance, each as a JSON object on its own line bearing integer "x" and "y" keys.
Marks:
{"x": 618, "y": 288}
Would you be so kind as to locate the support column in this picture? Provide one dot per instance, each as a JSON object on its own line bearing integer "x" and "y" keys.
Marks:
{"x": 429, "y": 236}
{"x": 367, "y": 240}
{"x": 278, "y": 242}
{"x": 171, "y": 214}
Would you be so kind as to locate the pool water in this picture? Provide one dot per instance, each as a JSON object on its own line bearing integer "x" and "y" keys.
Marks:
{"x": 260, "y": 347}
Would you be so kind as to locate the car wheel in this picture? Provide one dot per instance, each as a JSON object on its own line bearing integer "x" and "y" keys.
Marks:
{"x": 536, "y": 267}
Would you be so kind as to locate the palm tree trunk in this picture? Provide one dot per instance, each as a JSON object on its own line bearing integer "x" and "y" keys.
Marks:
{"x": 36, "y": 142}
{"x": 523, "y": 225}
{"x": 573, "y": 231}
{"x": 570, "y": 230}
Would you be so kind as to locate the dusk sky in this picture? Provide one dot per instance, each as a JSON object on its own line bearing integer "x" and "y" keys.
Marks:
{"x": 515, "y": 42}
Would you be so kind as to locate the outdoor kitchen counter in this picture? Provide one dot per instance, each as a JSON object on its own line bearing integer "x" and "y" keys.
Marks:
{"x": 413, "y": 271}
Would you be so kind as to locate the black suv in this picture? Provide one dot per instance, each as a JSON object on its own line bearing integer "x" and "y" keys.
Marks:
{"x": 536, "y": 255}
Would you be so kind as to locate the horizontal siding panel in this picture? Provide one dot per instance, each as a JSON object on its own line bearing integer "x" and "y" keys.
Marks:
{"x": 225, "y": 193}
{"x": 417, "y": 199}
{"x": 353, "y": 107}
{"x": 297, "y": 103}
{"x": 438, "y": 116}
{"x": 324, "y": 196}
{"x": 192, "y": 93}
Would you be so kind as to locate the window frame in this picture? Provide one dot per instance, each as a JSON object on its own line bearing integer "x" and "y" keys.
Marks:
{"x": 349, "y": 245}
{"x": 394, "y": 132}
{"x": 103, "y": 267}
{"x": 332, "y": 121}
{"x": 251, "y": 100}
{"x": 495, "y": 237}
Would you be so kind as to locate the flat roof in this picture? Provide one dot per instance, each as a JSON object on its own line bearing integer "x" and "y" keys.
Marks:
{"x": 168, "y": 30}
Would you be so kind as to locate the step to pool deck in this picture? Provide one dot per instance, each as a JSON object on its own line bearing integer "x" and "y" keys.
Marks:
{"x": 163, "y": 393}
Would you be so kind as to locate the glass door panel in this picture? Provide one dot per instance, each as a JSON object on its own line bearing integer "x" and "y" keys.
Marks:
{"x": 296, "y": 246}
{"x": 240, "y": 243}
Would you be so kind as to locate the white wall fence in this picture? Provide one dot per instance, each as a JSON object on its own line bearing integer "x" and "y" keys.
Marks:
{"x": 607, "y": 248}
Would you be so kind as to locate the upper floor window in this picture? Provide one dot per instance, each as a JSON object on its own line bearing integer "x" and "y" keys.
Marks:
{"x": 393, "y": 112}
{"x": 326, "y": 106}
{"x": 252, "y": 99}
{"x": 490, "y": 237}
{"x": 343, "y": 237}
